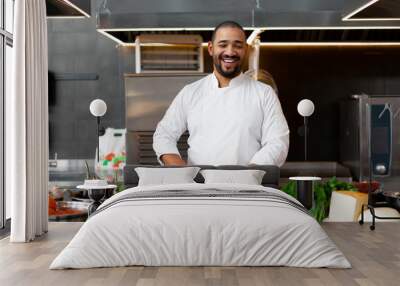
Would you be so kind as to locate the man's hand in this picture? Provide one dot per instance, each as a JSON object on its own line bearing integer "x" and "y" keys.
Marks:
{"x": 172, "y": 160}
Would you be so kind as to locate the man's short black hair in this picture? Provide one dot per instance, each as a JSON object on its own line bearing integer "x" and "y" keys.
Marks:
{"x": 230, "y": 24}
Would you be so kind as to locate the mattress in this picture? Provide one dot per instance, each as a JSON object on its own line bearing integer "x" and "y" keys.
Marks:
{"x": 201, "y": 225}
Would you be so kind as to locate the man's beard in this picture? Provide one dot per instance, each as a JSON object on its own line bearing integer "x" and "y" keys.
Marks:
{"x": 227, "y": 74}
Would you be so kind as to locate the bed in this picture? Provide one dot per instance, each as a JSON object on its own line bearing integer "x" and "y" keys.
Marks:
{"x": 198, "y": 224}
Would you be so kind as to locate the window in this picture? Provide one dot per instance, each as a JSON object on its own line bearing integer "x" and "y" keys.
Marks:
{"x": 2, "y": 194}
{"x": 6, "y": 64}
{"x": 9, "y": 62}
{"x": 9, "y": 15}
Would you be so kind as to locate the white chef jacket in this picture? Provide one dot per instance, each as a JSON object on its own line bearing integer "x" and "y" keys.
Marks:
{"x": 239, "y": 124}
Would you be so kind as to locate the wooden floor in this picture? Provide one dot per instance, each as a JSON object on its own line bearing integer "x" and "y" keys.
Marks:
{"x": 375, "y": 256}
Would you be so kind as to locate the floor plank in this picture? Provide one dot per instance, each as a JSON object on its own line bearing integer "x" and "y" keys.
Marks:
{"x": 375, "y": 257}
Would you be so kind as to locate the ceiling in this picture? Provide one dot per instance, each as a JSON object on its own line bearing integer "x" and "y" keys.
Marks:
{"x": 280, "y": 21}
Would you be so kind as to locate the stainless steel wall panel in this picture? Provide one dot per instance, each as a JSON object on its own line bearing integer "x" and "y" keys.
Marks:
{"x": 148, "y": 97}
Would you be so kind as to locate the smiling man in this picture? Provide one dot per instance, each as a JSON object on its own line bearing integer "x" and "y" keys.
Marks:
{"x": 231, "y": 118}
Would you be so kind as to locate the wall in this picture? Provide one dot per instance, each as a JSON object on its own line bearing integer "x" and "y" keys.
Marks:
{"x": 327, "y": 75}
{"x": 76, "y": 49}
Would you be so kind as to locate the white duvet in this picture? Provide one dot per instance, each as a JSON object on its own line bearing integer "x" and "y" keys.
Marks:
{"x": 200, "y": 231}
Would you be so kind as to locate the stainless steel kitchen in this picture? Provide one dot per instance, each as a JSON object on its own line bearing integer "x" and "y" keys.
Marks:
{"x": 154, "y": 146}
{"x": 137, "y": 57}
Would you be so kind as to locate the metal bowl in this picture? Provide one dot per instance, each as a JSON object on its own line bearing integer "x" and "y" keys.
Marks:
{"x": 73, "y": 205}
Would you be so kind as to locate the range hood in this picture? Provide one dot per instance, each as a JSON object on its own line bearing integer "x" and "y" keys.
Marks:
{"x": 376, "y": 10}
{"x": 275, "y": 20}
{"x": 68, "y": 8}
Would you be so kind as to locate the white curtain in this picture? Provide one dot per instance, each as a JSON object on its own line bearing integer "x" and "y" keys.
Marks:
{"x": 27, "y": 123}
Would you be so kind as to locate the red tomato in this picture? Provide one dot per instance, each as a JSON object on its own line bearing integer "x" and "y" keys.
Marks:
{"x": 109, "y": 156}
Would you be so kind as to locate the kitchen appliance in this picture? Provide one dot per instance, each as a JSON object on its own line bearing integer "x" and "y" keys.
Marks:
{"x": 370, "y": 147}
{"x": 370, "y": 138}
{"x": 147, "y": 98}
{"x": 168, "y": 53}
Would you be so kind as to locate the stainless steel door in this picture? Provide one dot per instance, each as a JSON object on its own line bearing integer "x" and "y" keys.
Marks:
{"x": 149, "y": 95}
{"x": 383, "y": 119}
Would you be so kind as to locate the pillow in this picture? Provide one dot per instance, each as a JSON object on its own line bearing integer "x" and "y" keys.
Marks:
{"x": 248, "y": 177}
{"x": 165, "y": 176}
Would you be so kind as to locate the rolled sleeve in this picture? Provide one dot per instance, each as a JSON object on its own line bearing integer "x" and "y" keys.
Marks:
{"x": 275, "y": 134}
{"x": 171, "y": 127}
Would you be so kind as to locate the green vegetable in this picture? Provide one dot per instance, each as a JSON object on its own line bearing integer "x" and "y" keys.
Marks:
{"x": 336, "y": 185}
{"x": 322, "y": 195}
{"x": 290, "y": 189}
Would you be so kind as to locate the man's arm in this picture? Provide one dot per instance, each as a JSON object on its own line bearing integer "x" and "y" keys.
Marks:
{"x": 275, "y": 134}
{"x": 172, "y": 160}
{"x": 168, "y": 131}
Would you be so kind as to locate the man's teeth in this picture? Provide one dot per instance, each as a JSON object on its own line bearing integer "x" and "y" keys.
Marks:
{"x": 228, "y": 60}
